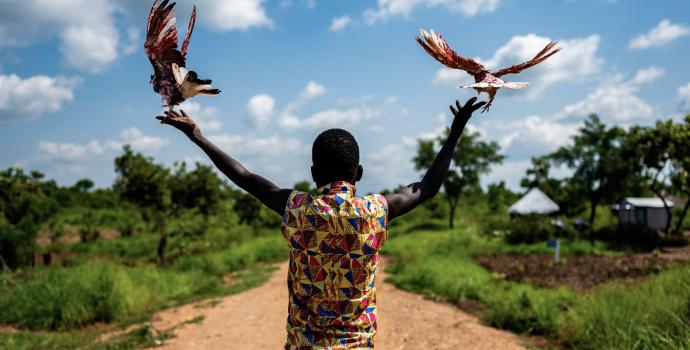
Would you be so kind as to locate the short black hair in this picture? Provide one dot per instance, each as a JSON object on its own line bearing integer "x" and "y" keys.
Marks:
{"x": 336, "y": 154}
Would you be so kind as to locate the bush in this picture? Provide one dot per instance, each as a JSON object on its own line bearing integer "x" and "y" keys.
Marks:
{"x": 529, "y": 230}
{"x": 68, "y": 298}
{"x": 629, "y": 235}
{"x": 525, "y": 309}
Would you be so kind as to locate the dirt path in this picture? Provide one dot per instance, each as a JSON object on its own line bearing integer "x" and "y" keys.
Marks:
{"x": 255, "y": 319}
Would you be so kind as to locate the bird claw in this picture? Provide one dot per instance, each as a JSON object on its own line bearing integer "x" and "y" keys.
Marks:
{"x": 486, "y": 107}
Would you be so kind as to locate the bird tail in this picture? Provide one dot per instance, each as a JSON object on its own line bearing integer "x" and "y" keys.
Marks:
{"x": 209, "y": 92}
{"x": 515, "y": 85}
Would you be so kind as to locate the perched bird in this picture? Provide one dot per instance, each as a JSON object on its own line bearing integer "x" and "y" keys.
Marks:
{"x": 170, "y": 78}
{"x": 485, "y": 81}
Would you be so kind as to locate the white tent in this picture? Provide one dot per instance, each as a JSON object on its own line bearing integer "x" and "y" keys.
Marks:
{"x": 534, "y": 202}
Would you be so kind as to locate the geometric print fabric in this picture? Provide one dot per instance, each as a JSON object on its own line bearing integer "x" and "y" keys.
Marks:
{"x": 335, "y": 239}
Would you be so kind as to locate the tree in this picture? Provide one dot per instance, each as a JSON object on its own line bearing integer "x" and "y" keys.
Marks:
{"x": 600, "y": 170}
{"x": 680, "y": 178}
{"x": 304, "y": 186}
{"x": 560, "y": 191}
{"x": 651, "y": 150}
{"x": 499, "y": 196}
{"x": 144, "y": 183}
{"x": 24, "y": 206}
{"x": 471, "y": 159}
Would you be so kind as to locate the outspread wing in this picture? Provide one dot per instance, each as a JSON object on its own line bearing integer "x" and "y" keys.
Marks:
{"x": 161, "y": 49}
{"x": 544, "y": 54}
{"x": 437, "y": 47}
{"x": 190, "y": 29}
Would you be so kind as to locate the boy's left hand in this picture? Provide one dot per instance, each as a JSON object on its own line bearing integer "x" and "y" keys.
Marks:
{"x": 181, "y": 121}
{"x": 463, "y": 113}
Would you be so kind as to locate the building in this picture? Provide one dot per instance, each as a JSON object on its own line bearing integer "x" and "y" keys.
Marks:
{"x": 649, "y": 212}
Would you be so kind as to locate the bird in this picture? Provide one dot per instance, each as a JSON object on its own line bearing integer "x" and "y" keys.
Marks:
{"x": 485, "y": 81}
{"x": 170, "y": 78}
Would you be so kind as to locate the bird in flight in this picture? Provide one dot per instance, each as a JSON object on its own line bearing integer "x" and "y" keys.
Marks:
{"x": 170, "y": 78}
{"x": 485, "y": 81}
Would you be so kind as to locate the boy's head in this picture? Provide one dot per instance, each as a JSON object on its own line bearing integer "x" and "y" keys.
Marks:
{"x": 335, "y": 157}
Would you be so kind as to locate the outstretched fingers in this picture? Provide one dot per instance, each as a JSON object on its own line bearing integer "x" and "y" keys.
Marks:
{"x": 478, "y": 106}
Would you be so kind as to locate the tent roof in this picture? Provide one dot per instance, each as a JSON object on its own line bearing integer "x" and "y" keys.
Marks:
{"x": 654, "y": 202}
{"x": 534, "y": 202}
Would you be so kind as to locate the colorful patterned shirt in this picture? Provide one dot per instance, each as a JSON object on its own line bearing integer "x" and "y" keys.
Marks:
{"x": 334, "y": 240}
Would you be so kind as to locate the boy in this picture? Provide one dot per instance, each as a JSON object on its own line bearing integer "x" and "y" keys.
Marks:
{"x": 334, "y": 236}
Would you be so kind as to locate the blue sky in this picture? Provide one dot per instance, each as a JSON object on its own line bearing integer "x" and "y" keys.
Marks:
{"x": 74, "y": 89}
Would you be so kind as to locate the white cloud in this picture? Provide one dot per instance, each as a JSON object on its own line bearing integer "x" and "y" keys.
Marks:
{"x": 256, "y": 147}
{"x": 142, "y": 143}
{"x": 341, "y": 118}
{"x": 684, "y": 97}
{"x": 33, "y": 96}
{"x": 403, "y": 8}
{"x": 260, "y": 109}
{"x": 205, "y": 117}
{"x": 577, "y": 61}
{"x": 88, "y": 42}
{"x": 76, "y": 152}
{"x": 664, "y": 33}
{"x": 226, "y": 15}
{"x": 616, "y": 99}
{"x": 313, "y": 90}
{"x": 339, "y": 23}
{"x": 648, "y": 75}
{"x": 70, "y": 151}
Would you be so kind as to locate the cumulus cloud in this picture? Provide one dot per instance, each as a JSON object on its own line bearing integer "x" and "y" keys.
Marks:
{"x": 260, "y": 109}
{"x": 664, "y": 33}
{"x": 616, "y": 99}
{"x": 28, "y": 98}
{"x": 249, "y": 146}
{"x": 339, "y": 23}
{"x": 205, "y": 117}
{"x": 88, "y": 42}
{"x": 387, "y": 9}
{"x": 90, "y": 38}
{"x": 578, "y": 61}
{"x": 70, "y": 151}
{"x": 226, "y": 15}
{"x": 313, "y": 90}
{"x": 329, "y": 118}
{"x": 684, "y": 97}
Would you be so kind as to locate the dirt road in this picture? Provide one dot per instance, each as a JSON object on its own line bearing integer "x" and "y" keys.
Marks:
{"x": 255, "y": 319}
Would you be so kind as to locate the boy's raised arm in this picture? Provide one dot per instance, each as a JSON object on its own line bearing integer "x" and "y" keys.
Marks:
{"x": 264, "y": 190}
{"x": 407, "y": 198}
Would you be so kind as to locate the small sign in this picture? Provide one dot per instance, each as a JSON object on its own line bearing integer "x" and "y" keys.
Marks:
{"x": 556, "y": 245}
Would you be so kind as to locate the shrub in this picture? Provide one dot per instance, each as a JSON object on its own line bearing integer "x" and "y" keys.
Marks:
{"x": 629, "y": 235}
{"x": 529, "y": 230}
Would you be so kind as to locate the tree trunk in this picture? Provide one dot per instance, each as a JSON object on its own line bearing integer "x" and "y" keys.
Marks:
{"x": 667, "y": 228}
{"x": 592, "y": 213}
{"x": 679, "y": 226}
{"x": 162, "y": 241}
{"x": 452, "y": 215}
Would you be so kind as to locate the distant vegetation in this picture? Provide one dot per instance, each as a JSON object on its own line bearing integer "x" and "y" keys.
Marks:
{"x": 77, "y": 261}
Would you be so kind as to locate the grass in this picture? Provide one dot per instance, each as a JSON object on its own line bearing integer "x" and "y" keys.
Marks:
{"x": 652, "y": 315}
{"x": 64, "y": 298}
{"x": 440, "y": 264}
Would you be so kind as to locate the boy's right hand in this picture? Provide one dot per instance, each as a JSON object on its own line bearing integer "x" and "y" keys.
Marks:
{"x": 464, "y": 113}
{"x": 181, "y": 121}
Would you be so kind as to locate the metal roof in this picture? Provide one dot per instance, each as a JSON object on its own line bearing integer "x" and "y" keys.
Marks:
{"x": 654, "y": 202}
